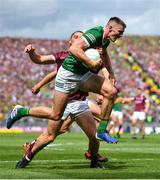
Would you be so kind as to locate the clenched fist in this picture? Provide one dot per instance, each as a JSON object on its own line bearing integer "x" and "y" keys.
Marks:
{"x": 29, "y": 48}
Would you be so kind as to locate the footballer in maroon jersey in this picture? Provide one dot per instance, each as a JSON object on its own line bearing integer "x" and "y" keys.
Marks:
{"x": 139, "y": 114}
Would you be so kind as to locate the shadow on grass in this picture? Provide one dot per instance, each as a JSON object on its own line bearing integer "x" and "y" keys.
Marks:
{"x": 73, "y": 165}
{"x": 79, "y": 165}
{"x": 118, "y": 165}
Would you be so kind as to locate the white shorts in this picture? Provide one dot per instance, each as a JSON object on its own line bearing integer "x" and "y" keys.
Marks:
{"x": 75, "y": 108}
{"x": 138, "y": 116}
{"x": 67, "y": 81}
{"x": 117, "y": 114}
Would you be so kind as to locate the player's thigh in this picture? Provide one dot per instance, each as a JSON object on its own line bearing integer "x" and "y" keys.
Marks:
{"x": 97, "y": 84}
{"x": 94, "y": 84}
{"x": 121, "y": 120}
{"x": 134, "y": 118}
{"x": 142, "y": 116}
{"x": 60, "y": 101}
{"x": 134, "y": 122}
{"x": 87, "y": 123}
{"x": 113, "y": 117}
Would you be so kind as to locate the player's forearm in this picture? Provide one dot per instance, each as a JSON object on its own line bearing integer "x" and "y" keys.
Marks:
{"x": 36, "y": 58}
{"x": 41, "y": 59}
{"x": 128, "y": 100}
{"x": 105, "y": 73}
{"x": 43, "y": 82}
{"x": 107, "y": 61}
{"x": 118, "y": 100}
{"x": 147, "y": 107}
{"x": 80, "y": 55}
{"x": 47, "y": 79}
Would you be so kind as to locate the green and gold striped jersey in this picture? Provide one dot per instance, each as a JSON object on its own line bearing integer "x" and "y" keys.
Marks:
{"x": 94, "y": 38}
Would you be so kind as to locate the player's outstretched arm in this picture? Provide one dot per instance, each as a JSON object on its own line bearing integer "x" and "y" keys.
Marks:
{"x": 37, "y": 58}
{"x": 126, "y": 100}
{"x": 147, "y": 105}
{"x": 49, "y": 77}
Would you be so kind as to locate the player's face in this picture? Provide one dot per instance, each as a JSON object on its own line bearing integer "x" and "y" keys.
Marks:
{"x": 115, "y": 31}
{"x": 75, "y": 37}
{"x": 139, "y": 92}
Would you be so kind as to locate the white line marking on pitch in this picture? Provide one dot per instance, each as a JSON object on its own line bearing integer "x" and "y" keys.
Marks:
{"x": 62, "y": 160}
{"x": 80, "y": 160}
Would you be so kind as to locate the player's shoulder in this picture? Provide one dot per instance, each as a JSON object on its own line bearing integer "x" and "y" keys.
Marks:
{"x": 95, "y": 29}
{"x": 94, "y": 35}
{"x": 61, "y": 54}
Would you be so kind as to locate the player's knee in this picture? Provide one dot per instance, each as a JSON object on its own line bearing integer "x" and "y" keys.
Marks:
{"x": 133, "y": 123}
{"x": 63, "y": 130}
{"x": 111, "y": 93}
{"x": 55, "y": 116}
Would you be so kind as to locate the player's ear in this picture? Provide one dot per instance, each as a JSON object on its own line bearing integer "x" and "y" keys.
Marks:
{"x": 70, "y": 42}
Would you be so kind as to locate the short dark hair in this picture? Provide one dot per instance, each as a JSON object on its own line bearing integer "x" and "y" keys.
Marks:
{"x": 76, "y": 32}
{"x": 118, "y": 20}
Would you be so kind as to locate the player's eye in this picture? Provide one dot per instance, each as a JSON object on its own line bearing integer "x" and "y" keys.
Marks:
{"x": 120, "y": 32}
{"x": 75, "y": 36}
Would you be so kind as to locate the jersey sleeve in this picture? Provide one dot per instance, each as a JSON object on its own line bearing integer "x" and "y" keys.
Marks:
{"x": 92, "y": 37}
{"x": 60, "y": 57}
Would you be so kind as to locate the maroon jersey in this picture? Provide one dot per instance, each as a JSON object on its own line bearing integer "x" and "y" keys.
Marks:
{"x": 59, "y": 58}
{"x": 140, "y": 103}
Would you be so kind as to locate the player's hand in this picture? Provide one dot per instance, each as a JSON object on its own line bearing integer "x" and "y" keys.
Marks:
{"x": 99, "y": 99}
{"x": 145, "y": 110}
{"x": 95, "y": 65}
{"x": 35, "y": 89}
{"x": 29, "y": 48}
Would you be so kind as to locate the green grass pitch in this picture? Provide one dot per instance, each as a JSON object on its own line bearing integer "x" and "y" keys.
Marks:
{"x": 64, "y": 159}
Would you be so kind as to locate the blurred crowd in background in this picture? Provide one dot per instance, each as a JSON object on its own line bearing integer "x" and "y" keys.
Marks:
{"x": 18, "y": 74}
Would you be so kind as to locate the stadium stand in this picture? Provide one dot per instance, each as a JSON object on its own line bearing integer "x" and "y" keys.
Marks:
{"x": 18, "y": 74}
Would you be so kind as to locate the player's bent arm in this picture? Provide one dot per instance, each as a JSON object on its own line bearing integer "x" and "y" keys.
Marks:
{"x": 41, "y": 59}
{"x": 49, "y": 77}
{"x": 118, "y": 100}
{"x": 123, "y": 100}
{"x": 105, "y": 73}
{"x": 128, "y": 100}
{"x": 147, "y": 105}
{"x": 107, "y": 62}
{"x": 37, "y": 58}
{"x": 47, "y": 59}
{"x": 77, "y": 49}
